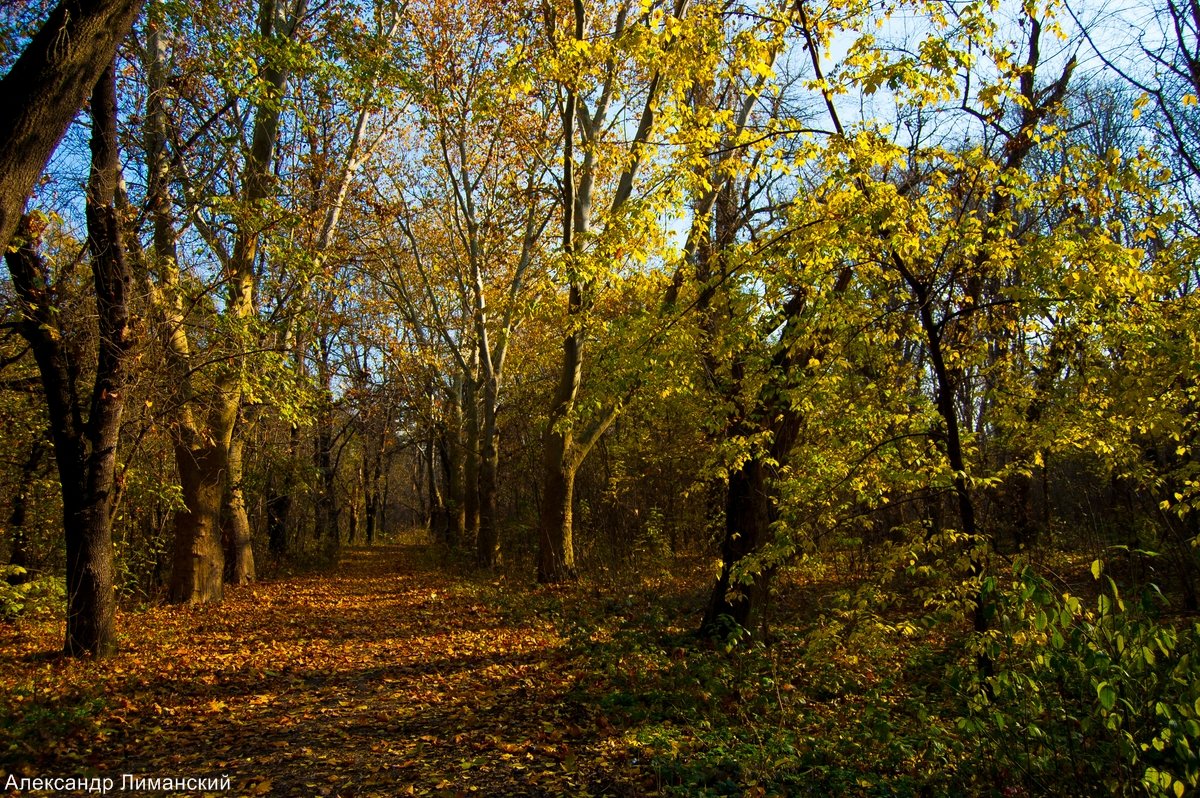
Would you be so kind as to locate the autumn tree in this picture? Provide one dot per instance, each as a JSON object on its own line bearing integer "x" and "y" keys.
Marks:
{"x": 609, "y": 67}
{"x": 234, "y": 208}
{"x": 85, "y": 441}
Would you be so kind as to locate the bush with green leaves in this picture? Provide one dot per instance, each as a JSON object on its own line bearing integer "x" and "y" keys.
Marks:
{"x": 1083, "y": 700}
{"x": 42, "y": 595}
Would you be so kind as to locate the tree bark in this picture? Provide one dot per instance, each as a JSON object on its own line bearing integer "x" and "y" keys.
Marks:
{"x": 453, "y": 453}
{"x": 470, "y": 456}
{"x": 488, "y": 548}
{"x": 749, "y": 512}
{"x": 441, "y": 523}
{"x": 198, "y": 565}
{"x": 564, "y": 447}
{"x": 328, "y": 509}
{"x": 371, "y": 489}
{"x": 556, "y": 547}
{"x": 278, "y": 507}
{"x": 238, "y": 537}
{"x": 947, "y": 407}
{"x": 202, "y": 452}
{"x": 45, "y": 88}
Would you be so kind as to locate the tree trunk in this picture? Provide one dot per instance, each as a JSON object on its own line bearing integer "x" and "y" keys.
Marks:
{"x": 86, "y": 453}
{"x": 749, "y": 513}
{"x": 372, "y": 514}
{"x": 46, "y": 87}
{"x": 441, "y": 524}
{"x": 453, "y": 451}
{"x": 202, "y": 452}
{"x": 199, "y": 562}
{"x": 279, "y": 502}
{"x": 278, "y": 506}
{"x": 488, "y": 548}
{"x": 371, "y": 494}
{"x": 948, "y": 410}
{"x": 328, "y": 508}
{"x": 750, "y": 510}
{"x": 20, "y": 508}
{"x": 238, "y": 538}
{"x": 470, "y": 455}
{"x": 90, "y": 600}
{"x": 556, "y": 547}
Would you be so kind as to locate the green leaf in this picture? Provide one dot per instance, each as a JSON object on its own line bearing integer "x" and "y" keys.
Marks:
{"x": 1107, "y": 695}
{"x": 1097, "y": 568}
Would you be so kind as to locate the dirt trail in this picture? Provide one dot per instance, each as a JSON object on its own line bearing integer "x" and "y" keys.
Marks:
{"x": 386, "y": 678}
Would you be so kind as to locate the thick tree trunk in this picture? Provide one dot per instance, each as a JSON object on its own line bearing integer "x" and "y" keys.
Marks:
{"x": 238, "y": 537}
{"x": 90, "y": 600}
{"x": 46, "y": 87}
{"x": 750, "y": 510}
{"x": 749, "y": 513}
{"x": 202, "y": 451}
{"x": 199, "y": 561}
{"x": 556, "y": 546}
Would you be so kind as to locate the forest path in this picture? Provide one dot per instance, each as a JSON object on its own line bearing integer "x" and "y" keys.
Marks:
{"x": 388, "y": 677}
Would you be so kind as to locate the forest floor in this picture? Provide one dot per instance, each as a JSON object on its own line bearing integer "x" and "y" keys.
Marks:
{"x": 390, "y": 676}
{"x": 393, "y": 676}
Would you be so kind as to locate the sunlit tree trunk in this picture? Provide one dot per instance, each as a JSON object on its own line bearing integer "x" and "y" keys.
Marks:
{"x": 565, "y": 446}
{"x": 239, "y": 538}
{"x": 198, "y": 564}
{"x": 556, "y": 547}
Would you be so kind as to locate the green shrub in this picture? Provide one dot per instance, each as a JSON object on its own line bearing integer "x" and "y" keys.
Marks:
{"x": 1083, "y": 701}
{"x": 43, "y": 595}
